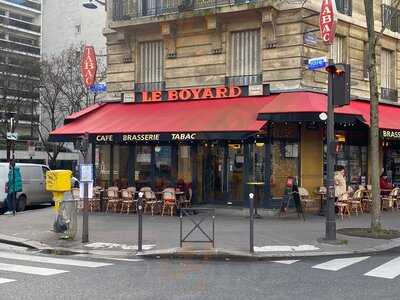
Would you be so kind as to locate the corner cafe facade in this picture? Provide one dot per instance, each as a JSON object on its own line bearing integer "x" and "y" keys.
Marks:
{"x": 216, "y": 140}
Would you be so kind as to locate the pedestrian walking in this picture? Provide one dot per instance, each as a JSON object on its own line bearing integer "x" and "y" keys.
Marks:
{"x": 14, "y": 185}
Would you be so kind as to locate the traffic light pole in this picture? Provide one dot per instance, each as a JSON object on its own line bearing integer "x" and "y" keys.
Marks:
{"x": 330, "y": 230}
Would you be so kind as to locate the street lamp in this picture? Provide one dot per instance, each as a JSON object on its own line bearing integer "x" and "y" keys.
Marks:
{"x": 92, "y": 5}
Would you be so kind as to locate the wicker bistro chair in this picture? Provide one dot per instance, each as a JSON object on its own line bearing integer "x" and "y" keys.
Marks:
{"x": 112, "y": 199}
{"x": 150, "y": 199}
{"x": 306, "y": 200}
{"x": 169, "y": 200}
{"x": 187, "y": 201}
{"x": 94, "y": 203}
{"x": 127, "y": 201}
{"x": 391, "y": 200}
{"x": 343, "y": 205}
{"x": 356, "y": 201}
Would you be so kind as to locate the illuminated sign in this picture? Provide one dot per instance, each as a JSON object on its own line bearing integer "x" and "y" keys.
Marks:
{"x": 89, "y": 66}
{"x": 327, "y": 21}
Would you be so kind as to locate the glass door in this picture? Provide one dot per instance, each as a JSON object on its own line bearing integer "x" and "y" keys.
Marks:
{"x": 235, "y": 174}
{"x": 213, "y": 173}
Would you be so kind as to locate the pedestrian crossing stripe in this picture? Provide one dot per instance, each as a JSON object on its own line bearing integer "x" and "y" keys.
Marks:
{"x": 339, "y": 263}
{"x": 6, "y": 280}
{"x": 286, "y": 262}
{"x": 389, "y": 270}
{"x": 30, "y": 270}
{"x": 52, "y": 260}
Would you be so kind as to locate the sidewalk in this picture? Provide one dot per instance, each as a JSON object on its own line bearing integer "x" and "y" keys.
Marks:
{"x": 116, "y": 234}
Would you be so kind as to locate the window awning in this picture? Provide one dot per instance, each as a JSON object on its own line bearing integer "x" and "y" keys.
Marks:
{"x": 238, "y": 115}
{"x": 305, "y": 106}
{"x": 389, "y": 115}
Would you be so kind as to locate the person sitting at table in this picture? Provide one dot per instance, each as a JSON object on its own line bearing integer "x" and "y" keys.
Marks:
{"x": 181, "y": 185}
{"x": 384, "y": 182}
{"x": 340, "y": 184}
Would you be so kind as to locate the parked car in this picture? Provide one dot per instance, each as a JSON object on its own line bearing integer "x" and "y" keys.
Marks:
{"x": 33, "y": 185}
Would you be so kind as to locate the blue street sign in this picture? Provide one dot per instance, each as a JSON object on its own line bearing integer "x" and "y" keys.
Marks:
{"x": 317, "y": 63}
{"x": 98, "y": 88}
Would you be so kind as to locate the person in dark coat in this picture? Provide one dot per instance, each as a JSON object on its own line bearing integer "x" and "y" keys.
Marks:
{"x": 14, "y": 185}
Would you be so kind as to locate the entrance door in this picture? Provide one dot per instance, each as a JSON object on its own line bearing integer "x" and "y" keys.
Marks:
{"x": 213, "y": 173}
{"x": 235, "y": 173}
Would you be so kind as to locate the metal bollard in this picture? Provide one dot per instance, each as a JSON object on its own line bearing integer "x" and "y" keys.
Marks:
{"x": 251, "y": 207}
{"x": 140, "y": 221}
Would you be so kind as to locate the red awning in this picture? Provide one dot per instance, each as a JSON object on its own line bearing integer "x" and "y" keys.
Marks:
{"x": 389, "y": 115}
{"x": 233, "y": 115}
{"x": 303, "y": 102}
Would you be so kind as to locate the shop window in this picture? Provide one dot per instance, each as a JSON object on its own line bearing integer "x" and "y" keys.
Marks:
{"x": 164, "y": 173}
{"x": 120, "y": 169}
{"x": 184, "y": 164}
{"x": 151, "y": 66}
{"x": 143, "y": 166}
{"x": 245, "y": 58}
{"x": 103, "y": 167}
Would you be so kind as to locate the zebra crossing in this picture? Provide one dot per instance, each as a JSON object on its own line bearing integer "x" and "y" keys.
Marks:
{"x": 7, "y": 269}
{"x": 388, "y": 270}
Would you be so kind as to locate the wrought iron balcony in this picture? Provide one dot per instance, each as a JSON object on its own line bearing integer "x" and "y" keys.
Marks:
{"x": 389, "y": 94}
{"x": 391, "y": 18}
{"x": 131, "y": 9}
{"x": 243, "y": 80}
{"x": 344, "y": 7}
{"x": 150, "y": 86}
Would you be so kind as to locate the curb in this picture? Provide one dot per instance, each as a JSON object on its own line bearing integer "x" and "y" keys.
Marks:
{"x": 225, "y": 254}
{"x": 209, "y": 254}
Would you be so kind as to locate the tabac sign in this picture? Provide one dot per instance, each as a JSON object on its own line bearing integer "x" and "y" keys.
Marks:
{"x": 89, "y": 66}
{"x": 327, "y": 21}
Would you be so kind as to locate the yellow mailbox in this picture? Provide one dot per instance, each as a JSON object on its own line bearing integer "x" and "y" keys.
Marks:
{"x": 58, "y": 182}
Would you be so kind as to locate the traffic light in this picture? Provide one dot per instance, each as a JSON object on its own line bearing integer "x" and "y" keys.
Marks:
{"x": 341, "y": 83}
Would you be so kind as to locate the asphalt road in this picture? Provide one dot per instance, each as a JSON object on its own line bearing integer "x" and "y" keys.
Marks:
{"x": 171, "y": 279}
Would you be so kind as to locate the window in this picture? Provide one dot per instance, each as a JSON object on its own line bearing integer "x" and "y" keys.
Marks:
{"x": 386, "y": 74}
{"x": 245, "y": 58}
{"x": 21, "y": 17}
{"x": 388, "y": 91}
{"x": 151, "y": 66}
{"x": 344, "y": 7}
{"x": 338, "y": 50}
{"x": 366, "y": 59}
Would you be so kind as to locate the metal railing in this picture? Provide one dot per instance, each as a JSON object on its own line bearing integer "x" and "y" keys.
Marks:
{"x": 19, "y": 47}
{"x": 391, "y": 18}
{"x": 197, "y": 216}
{"x": 244, "y": 80}
{"x": 27, "y": 3}
{"x": 344, "y": 7}
{"x": 150, "y": 86}
{"x": 131, "y": 9}
{"x": 389, "y": 94}
{"x": 19, "y": 24}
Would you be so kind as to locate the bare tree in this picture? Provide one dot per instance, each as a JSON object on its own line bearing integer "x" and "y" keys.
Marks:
{"x": 373, "y": 39}
{"x": 62, "y": 93}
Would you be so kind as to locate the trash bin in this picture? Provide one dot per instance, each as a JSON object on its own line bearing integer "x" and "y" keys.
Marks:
{"x": 66, "y": 223}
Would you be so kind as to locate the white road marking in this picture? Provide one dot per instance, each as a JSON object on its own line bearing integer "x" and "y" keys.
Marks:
{"x": 51, "y": 260}
{"x": 30, "y": 270}
{"x": 6, "y": 280}
{"x": 285, "y": 248}
{"x": 286, "y": 262}
{"x": 122, "y": 259}
{"x": 389, "y": 270}
{"x": 340, "y": 263}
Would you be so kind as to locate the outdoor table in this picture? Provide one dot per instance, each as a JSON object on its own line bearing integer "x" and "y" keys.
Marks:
{"x": 256, "y": 185}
